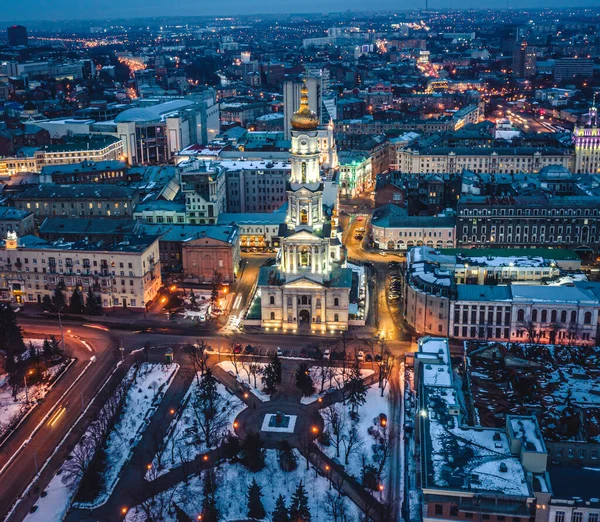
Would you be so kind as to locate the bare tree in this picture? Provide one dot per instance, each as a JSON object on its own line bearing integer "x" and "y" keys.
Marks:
{"x": 382, "y": 447}
{"x": 336, "y": 508}
{"x": 198, "y": 357}
{"x": 335, "y": 418}
{"x": 234, "y": 357}
{"x": 352, "y": 440}
{"x": 210, "y": 409}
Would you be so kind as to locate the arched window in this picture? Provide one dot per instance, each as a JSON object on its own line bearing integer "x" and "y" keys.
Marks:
{"x": 553, "y": 316}
{"x": 304, "y": 300}
{"x": 563, "y": 316}
{"x": 544, "y": 316}
{"x": 573, "y": 317}
{"x": 520, "y": 315}
{"x": 587, "y": 318}
{"x": 336, "y": 318}
{"x": 534, "y": 314}
{"x": 272, "y": 316}
{"x": 336, "y": 302}
{"x": 272, "y": 299}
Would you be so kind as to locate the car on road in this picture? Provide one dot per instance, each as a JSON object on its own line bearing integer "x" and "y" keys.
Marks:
{"x": 382, "y": 253}
{"x": 393, "y": 297}
{"x": 360, "y": 229}
{"x": 393, "y": 264}
{"x": 237, "y": 348}
{"x": 360, "y": 356}
{"x": 360, "y": 218}
{"x": 279, "y": 352}
{"x": 358, "y": 237}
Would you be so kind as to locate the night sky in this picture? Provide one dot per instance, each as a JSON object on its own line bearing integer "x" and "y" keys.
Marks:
{"x": 13, "y": 11}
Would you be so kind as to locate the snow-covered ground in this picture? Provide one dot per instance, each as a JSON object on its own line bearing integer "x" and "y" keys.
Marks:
{"x": 143, "y": 398}
{"x": 243, "y": 376}
{"x": 332, "y": 378}
{"x": 11, "y": 410}
{"x": 368, "y": 416}
{"x": 56, "y": 499}
{"x": 232, "y": 487}
{"x": 181, "y": 441}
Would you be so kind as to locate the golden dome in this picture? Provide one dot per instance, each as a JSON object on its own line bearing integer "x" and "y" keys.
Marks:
{"x": 304, "y": 118}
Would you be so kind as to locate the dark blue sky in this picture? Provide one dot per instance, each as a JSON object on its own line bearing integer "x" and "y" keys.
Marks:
{"x": 13, "y": 11}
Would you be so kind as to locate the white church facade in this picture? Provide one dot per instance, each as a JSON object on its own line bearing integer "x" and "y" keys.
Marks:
{"x": 309, "y": 288}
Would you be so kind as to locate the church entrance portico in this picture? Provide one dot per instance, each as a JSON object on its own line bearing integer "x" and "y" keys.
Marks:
{"x": 304, "y": 318}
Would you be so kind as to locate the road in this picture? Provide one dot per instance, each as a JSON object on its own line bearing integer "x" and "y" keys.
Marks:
{"x": 19, "y": 473}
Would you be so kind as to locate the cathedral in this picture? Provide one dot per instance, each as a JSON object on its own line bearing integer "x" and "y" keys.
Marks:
{"x": 308, "y": 288}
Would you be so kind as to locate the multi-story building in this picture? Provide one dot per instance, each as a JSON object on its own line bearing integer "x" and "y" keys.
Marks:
{"x": 393, "y": 229}
{"x": 523, "y": 60}
{"x": 558, "y": 214}
{"x": 204, "y": 187}
{"x": 14, "y": 220}
{"x": 255, "y": 186}
{"x": 122, "y": 275}
{"x": 586, "y": 139}
{"x": 17, "y": 35}
{"x": 92, "y": 149}
{"x": 502, "y": 297}
{"x": 568, "y": 69}
{"x": 493, "y": 160}
{"x": 355, "y": 173}
{"x": 77, "y": 200}
{"x": 469, "y": 472}
{"x": 87, "y": 172}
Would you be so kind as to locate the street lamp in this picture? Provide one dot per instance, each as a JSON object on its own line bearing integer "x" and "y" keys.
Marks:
{"x": 62, "y": 335}
{"x": 30, "y": 372}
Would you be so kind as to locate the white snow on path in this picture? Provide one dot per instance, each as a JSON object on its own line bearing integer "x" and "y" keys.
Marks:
{"x": 245, "y": 378}
{"x": 232, "y": 487}
{"x": 142, "y": 400}
{"x": 181, "y": 442}
{"x": 54, "y": 505}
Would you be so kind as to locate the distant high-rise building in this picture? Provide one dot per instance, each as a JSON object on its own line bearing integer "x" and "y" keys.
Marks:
{"x": 291, "y": 99}
{"x": 17, "y": 35}
{"x": 509, "y": 39}
{"x": 523, "y": 61}
{"x": 573, "y": 68}
{"x": 586, "y": 139}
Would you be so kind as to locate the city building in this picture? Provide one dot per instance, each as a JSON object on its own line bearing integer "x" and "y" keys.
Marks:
{"x": 17, "y": 35}
{"x": 586, "y": 139}
{"x": 493, "y": 160}
{"x": 87, "y": 172}
{"x": 306, "y": 290}
{"x": 85, "y": 200}
{"x": 14, "y": 220}
{"x": 255, "y": 186}
{"x": 355, "y": 173}
{"x": 569, "y": 69}
{"x": 492, "y": 295}
{"x": 523, "y": 60}
{"x": 393, "y": 229}
{"x": 470, "y": 472}
{"x": 121, "y": 275}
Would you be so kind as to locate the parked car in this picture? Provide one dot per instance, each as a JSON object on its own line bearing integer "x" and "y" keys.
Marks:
{"x": 327, "y": 354}
{"x": 279, "y": 352}
{"x": 360, "y": 229}
{"x": 249, "y": 349}
{"x": 382, "y": 253}
{"x": 237, "y": 348}
{"x": 360, "y": 356}
{"x": 393, "y": 264}
{"x": 369, "y": 357}
{"x": 302, "y": 353}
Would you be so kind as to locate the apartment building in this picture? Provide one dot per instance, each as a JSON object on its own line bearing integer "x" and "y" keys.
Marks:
{"x": 123, "y": 275}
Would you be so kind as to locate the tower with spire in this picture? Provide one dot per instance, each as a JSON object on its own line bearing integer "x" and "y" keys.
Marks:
{"x": 586, "y": 139}
{"x": 308, "y": 288}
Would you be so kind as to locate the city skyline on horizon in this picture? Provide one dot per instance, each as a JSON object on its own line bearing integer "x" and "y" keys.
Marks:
{"x": 155, "y": 9}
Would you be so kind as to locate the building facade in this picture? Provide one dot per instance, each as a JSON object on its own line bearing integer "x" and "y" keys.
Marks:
{"x": 306, "y": 290}
{"x": 122, "y": 275}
